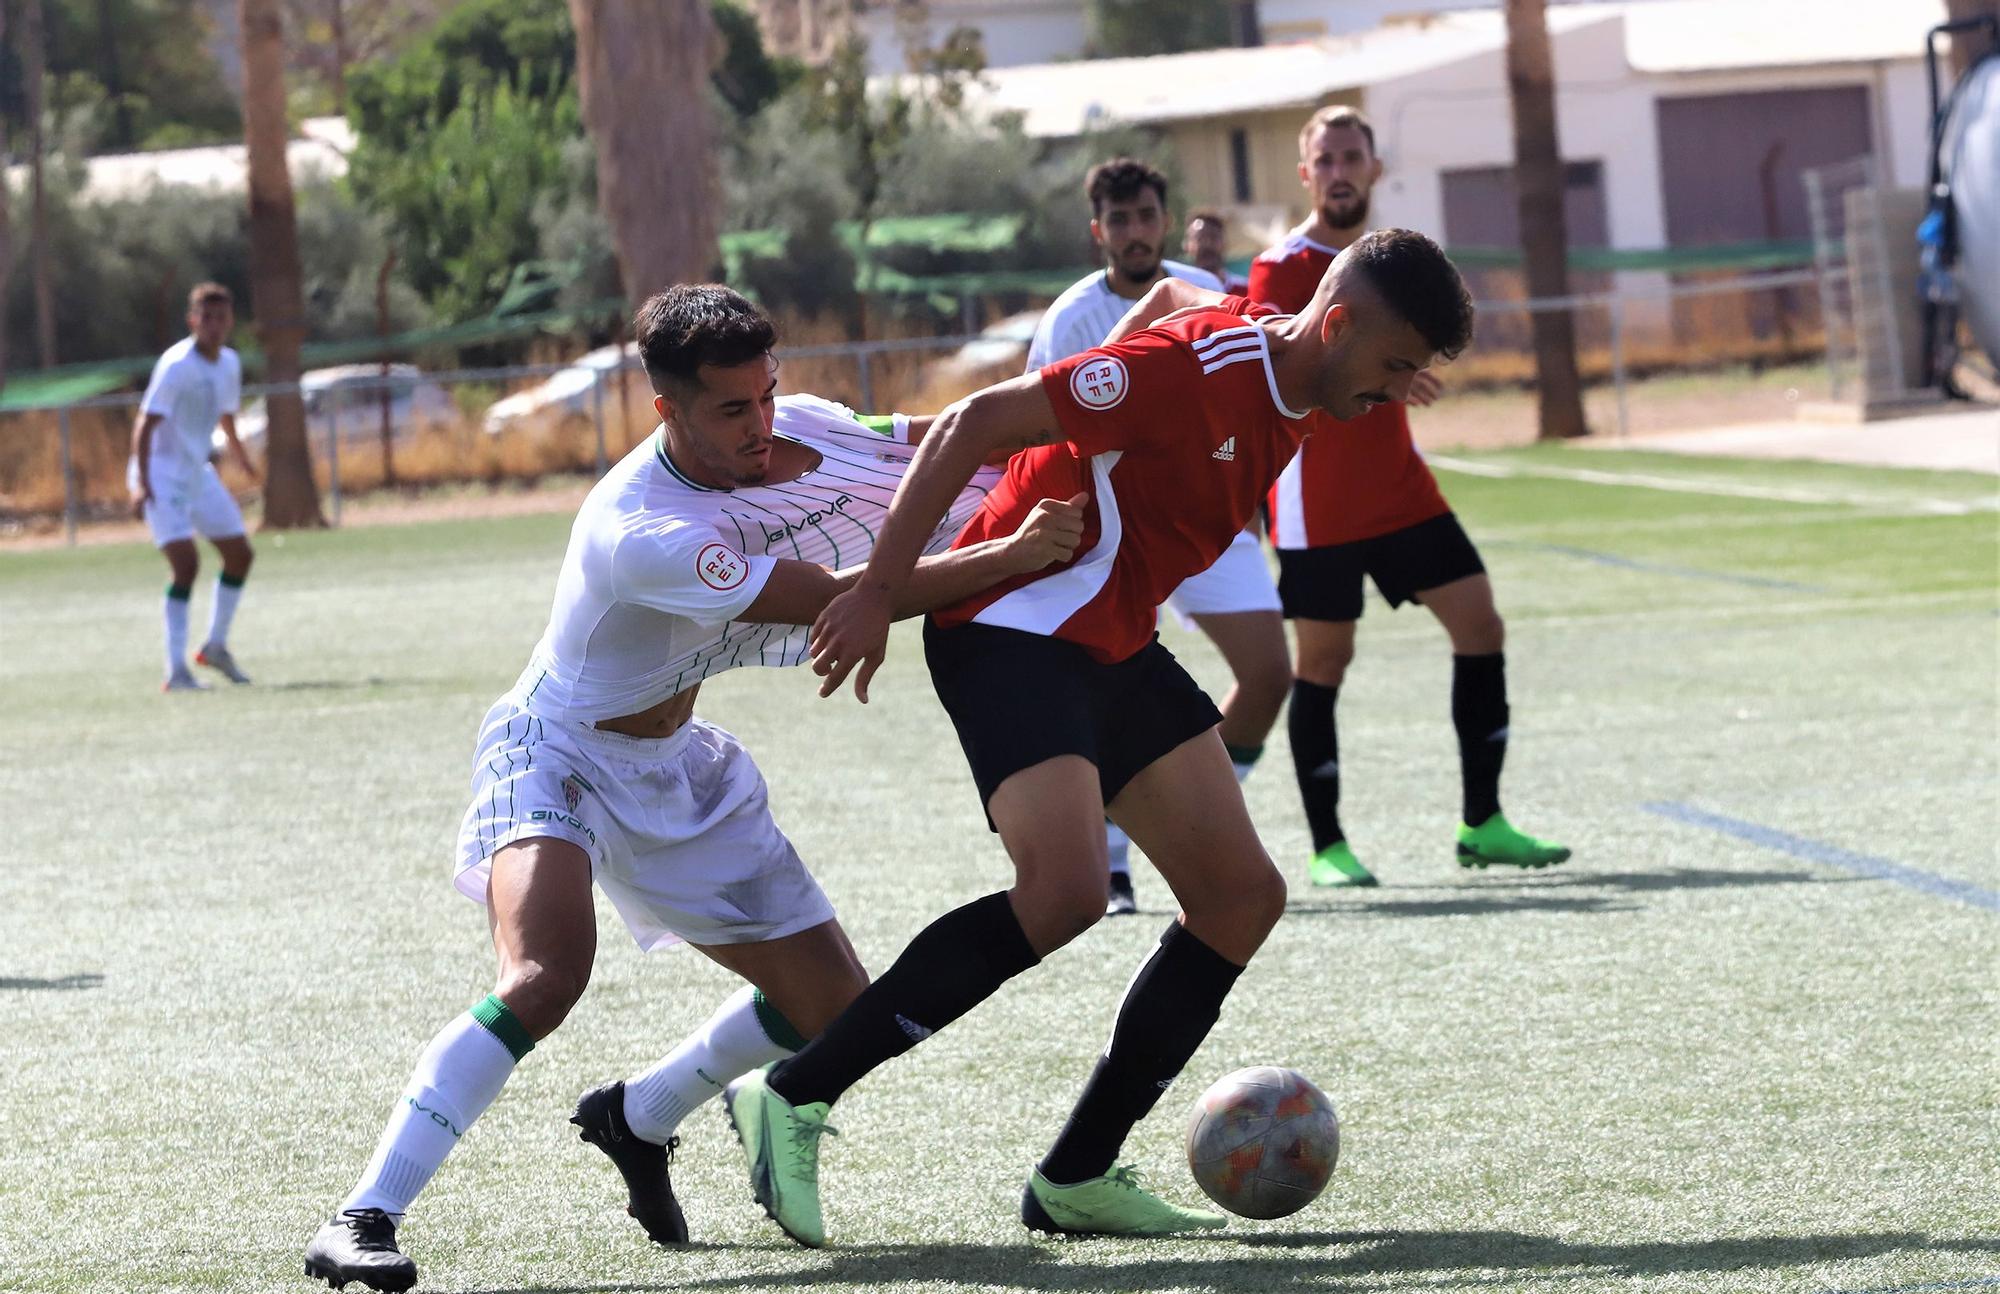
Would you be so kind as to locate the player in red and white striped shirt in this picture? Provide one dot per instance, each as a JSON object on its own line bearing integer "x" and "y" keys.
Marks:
{"x": 1362, "y": 503}
{"x": 1069, "y": 708}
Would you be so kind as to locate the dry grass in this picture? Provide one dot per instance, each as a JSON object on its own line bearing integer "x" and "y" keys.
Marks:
{"x": 1713, "y": 335}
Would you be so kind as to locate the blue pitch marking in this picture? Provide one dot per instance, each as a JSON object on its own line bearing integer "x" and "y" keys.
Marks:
{"x": 1660, "y": 568}
{"x": 1813, "y": 851}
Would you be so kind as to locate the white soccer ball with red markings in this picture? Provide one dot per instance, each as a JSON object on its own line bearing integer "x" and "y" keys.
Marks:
{"x": 1263, "y": 1141}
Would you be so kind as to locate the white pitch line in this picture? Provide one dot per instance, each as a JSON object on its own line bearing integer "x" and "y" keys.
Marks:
{"x": 1729, "y": 489}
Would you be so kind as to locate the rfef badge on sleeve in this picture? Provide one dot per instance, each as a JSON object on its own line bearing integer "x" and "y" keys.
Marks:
{"x": 1098, "y": 383}
{"x": 720, "y": 567}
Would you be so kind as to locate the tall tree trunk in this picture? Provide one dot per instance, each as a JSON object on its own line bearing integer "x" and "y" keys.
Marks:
{"x": 34, "y": 63}
{"x": 6, "y": 232}
{"x": 291, "y": 497}
{"x": 114, "y": 80}
{"x": 339, "y": 58}
{"x": 1968, "y": 46}
{"x": 1538, "y": 171}
{"x": 656, "y": 179}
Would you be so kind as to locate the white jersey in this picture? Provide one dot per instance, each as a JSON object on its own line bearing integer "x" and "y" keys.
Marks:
{"x": 1088, "y": 310}
{"x": 659, "y": 567}
{"x": 190, "y": 393}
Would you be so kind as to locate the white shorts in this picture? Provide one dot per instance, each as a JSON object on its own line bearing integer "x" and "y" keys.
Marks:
{"x": 1240, "y": 580}
{"x": 186, "y": 503}
{"x": 678, "y": 829}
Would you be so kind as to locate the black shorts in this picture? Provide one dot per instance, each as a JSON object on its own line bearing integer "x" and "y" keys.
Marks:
{"x": 1325, "y": 583}
{"x": 1018, "y": 698}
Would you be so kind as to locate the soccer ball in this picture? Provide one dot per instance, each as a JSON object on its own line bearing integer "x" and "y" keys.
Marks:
{"x": 1263, "y": 1141}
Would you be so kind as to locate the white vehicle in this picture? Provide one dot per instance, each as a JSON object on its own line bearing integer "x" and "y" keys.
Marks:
{"x": 350, "y": 397}
{"x": 1001, "y": 345}
{"x": 566, "y": 398}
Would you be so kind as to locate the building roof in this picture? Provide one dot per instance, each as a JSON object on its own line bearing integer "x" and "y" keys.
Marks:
{"x": 1059, "y": 99}
{"x": 1661, "y": 37}
{"x": 321, "y": 149}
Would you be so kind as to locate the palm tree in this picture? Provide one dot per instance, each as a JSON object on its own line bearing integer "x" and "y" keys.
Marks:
{"x": 34, "y": 64}
{"x": 291, "y": 497}
{"x": 642, "y": 69}
{"x": 1538, "y": 171}
{"x": 6, "y": 232}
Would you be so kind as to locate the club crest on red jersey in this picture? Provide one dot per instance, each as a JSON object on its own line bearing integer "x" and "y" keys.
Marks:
{"x": 1098, "y": 383}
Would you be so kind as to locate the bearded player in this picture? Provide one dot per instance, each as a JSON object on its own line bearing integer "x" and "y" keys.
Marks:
{"x": 1363, "y": 504}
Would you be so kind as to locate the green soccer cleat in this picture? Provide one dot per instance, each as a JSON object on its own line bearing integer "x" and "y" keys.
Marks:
{"x": 1496, "y": 841}
{"x": 1337, "y": 865}
{"x": 1112, "y": 1205}
{"x": 781, "y": 1143}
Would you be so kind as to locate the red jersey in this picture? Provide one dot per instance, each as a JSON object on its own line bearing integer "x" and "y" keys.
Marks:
{"x": 1176, "y": 434}
{"x": 1353, "y": 480}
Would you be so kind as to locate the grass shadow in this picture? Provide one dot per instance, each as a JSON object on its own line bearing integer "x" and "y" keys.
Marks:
{"x": 334, "y": 684}
{"x": 25, "y": 984}
{"x": 1257, "y": 1263}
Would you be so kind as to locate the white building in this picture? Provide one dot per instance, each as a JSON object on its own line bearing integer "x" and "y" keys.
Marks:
{"x": 1017, "y": 32}
{"x": 1684, "y": 122}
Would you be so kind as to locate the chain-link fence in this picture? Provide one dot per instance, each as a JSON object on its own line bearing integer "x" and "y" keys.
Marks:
{"x": 1659, "y": 351}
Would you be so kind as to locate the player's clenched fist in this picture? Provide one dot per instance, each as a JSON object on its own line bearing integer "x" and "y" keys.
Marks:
{"x": 852, "y": 630}
{"x": 1050, "y": 534}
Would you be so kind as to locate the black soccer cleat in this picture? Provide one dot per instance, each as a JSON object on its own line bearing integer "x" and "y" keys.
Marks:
{"x": 600, "y": 1114}
{"x": 1122, "y": 902}
{"x": 360, "y": 1245}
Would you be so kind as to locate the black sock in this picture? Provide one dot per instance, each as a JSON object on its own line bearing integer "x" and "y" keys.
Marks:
{"x": 1172, "y": 1004}
{"x": 1316, "y": 759}
{"x": 1479, "y": 712}
{"x": 954, "y": 964}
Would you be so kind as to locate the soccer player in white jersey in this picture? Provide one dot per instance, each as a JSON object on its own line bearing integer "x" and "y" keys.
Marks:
{"x": 708, "y": 547}
{"x": 1234, "y": 601}
{"x": 195, "y": 386}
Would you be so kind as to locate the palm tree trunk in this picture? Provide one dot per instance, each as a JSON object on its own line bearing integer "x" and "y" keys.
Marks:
{"x": 642, "y": 69}
{"x": 1544, "y": 241}
{"x": 6, "y": 230}
{"x": 34, "y": 63}
{"x": 291, "y": 497}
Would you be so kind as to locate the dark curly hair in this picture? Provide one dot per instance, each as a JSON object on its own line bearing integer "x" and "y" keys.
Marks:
{"x": 1120, "y": 180}
{"x": 692, "y": 324}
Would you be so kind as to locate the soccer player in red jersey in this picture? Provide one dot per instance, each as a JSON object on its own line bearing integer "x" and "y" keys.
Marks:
{"x": 1069, "y": 709}
{"x": 1362, "y": 502}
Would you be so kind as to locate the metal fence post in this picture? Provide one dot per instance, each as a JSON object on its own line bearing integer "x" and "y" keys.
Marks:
{"x": 597, "y": 415}
{"x": 867, "y": 385}
{"x": 69, "y": 478}
{"x": 1618, "y": 383}
{"x": 332, "y": 448}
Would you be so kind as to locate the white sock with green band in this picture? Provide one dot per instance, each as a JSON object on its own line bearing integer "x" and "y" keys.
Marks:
{"x": 456, "y": 1078}
{"x": 177, "y": 627}
{"x": 744, "y": 1033}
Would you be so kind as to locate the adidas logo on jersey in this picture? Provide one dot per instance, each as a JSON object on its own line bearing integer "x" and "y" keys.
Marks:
{"x": 1226, "y": 452}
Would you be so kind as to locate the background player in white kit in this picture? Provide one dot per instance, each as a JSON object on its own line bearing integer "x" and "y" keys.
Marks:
{"x": 706, "y": 548}
{"x": 175, "y": 490}
{"x": 1234, "y": 601}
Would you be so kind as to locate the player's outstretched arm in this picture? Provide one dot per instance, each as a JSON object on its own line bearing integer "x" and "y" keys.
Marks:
{"x": 142, "y": 454}
{"x": 1161, "y": 300}
{"x": 797, "y": 591}
{"x": 242, "y": 455}
{"x": 853, "y": 631}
